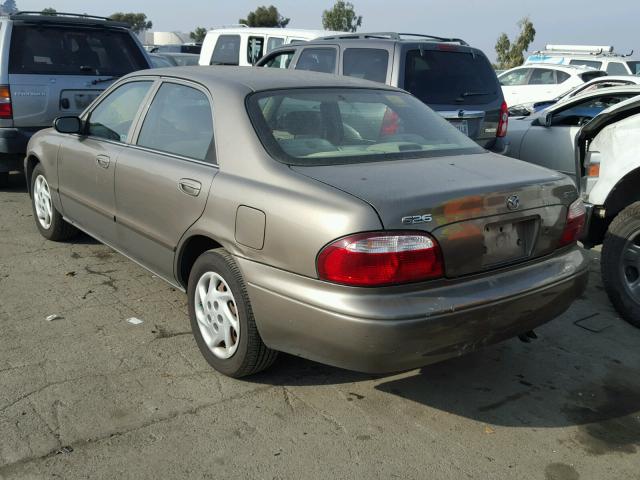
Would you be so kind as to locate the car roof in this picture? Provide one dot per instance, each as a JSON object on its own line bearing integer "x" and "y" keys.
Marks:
{"x": 571, "y": 69}
{"x": 63, "y": 18}
{"x": 245, "y": 79}
{"x": 614, "y": 78}
{"x": 599, "y": 92}
{"x": 282, "y": 32}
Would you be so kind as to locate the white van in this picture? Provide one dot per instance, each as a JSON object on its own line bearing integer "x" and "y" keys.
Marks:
{"x": 244, "y": 46}
{"x": 593, "y": 56}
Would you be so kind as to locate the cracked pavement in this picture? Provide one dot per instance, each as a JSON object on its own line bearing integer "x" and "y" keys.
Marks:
{"x": 90, "y": 395}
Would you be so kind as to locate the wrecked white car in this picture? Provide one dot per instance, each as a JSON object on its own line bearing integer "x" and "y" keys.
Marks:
{"x": 594, "y": 138}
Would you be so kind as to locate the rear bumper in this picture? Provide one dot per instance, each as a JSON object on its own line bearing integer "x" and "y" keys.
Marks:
{"x": 399, "y": 328}
{"x": 13, "y": 145}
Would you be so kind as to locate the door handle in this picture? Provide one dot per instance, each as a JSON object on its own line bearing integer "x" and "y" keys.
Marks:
{"x": 190, "y": 187}
{"x": 103, "y": 161}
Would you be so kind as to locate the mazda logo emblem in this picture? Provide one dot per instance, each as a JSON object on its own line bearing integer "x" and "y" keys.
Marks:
{"x": 513, "y": 202}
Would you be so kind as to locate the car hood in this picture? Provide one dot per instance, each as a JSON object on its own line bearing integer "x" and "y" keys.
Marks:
{"x": 449, "y": 189}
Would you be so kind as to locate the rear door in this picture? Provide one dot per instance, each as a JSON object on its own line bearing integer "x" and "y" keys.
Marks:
{"x": 367, "y": 63}
{"x": 459, "y": 83}
{"x": 59, "y": 69}
{"x": 318, "y": 59}
{"x": 162, "y": 181}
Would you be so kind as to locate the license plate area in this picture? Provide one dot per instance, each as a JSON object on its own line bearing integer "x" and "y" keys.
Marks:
{"x": 461, "y": 125}
{"x": 506, "y": 242}
{"x": 77, "y": 100}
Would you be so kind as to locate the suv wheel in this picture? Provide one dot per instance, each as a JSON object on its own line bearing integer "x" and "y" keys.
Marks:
{"x": 620, "y": 263}
{"x": 221, "y": 317}
{"x": 48, "y": 220}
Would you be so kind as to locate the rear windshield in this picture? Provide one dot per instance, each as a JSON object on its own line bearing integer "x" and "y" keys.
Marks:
{"x": 448, "y": 78}
{"x": 338, "y": 126}
{"x": 586, "y": 63}
{"x": 70, "y": 50}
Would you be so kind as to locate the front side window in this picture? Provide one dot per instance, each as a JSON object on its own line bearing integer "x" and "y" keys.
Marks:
{"x": 616, "y": 68}
{"x": 69, "y": 50}
{"x": 514, "y": 78}
{"x": 179, "y": 121}
{"x": 255, "y": 47}
{"x": 439, "y": 77}
{"x": 274, "y": 42}
{"x": 367, "y": 63}
{"x": 317, "y": 60}
{"x": 113, "y": 117}
{"x": 340, "y": 126}
{"x": 542, "y": 76}
{"x": 226, "y": 51}
{"x": 582, "y": 112}
{"x": 280, "y": 60}
{"x": 586, "y": 63}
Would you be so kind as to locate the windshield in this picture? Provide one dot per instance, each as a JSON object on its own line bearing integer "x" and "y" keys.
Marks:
{"x": 635, "y": 67}
{"x": 439, "y": 77}
{"x": 72, "y": 50}
{"x": 337, "y": 126}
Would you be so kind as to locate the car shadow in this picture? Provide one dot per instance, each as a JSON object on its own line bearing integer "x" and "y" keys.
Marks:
{"x": 15, "y": 183}
{"x": 507, "y": 385}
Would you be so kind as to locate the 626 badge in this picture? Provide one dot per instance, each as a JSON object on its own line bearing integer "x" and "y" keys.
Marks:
{"x": 415, "y": 219}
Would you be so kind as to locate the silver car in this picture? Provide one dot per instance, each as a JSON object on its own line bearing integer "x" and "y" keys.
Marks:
{"x": 328, "y": 217}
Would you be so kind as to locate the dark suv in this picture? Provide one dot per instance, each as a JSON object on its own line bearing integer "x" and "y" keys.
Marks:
{"x": 453, "y": 78}
{"x": 56, "y": 65}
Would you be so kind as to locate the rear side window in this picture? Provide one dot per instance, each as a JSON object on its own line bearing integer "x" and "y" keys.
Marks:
{"x": 587, "y": 63}
{"x": 562, "y": 76}
{"x": 273, "y": 43}
{"x": 635, "y": 67}
{"x": 542, "y": 76}
{"x": 446, "y": 77}
{"x": 317, "y": 60}
{"x": 113, "y": 117}
{"x": 367, "y": 63}
{"x": 179, "y": 121}
{"x": 226, "y": 51}
{"x": 69, "y": 50}
{"x": 255, "y": 47}
{"x": 616, "y": 68}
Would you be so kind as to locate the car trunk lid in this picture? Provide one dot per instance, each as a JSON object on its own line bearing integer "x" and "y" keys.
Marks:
{"x": 485, "y": 210}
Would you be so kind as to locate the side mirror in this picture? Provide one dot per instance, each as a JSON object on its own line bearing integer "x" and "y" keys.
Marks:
{"x": 68, "y": 125}
{"x": 547, "y": 119}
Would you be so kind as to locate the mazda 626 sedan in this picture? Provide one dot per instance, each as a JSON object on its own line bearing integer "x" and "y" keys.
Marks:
{"x": 327, "y": 217}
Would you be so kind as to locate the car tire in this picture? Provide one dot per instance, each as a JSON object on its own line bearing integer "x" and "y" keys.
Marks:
{"x": 50, "y": 223}
{"x": 214, "y": 275}
{"x": 620, "y": 263}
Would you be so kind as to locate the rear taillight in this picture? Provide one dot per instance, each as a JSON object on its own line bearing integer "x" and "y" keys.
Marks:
{"x": 381, "y": 258}
{"x": 390, "y": 123}
{"x": 6, "y": 111}
{"x": 576, "y": 217}
{"x": 503, "y": 123}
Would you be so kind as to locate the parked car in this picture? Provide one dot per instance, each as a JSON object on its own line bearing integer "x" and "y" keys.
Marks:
{"x": 56, "y": 65}
{"x": 332, "y": 218}
{"x": 453, "y": 78}
{"x": 595, "y": 84}
{"x": 244, "y": 46}
{"x": 535, "y": 83}
{"x": 181, "y": 59}
{"x": 191, "y": 48}
{"x": 593, "y": 137}
{"x": 592, "y": 56}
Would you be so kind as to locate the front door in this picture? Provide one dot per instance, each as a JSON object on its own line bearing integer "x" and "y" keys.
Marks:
{"x": 162, "y": 182}
{"x": 87, "y": 162}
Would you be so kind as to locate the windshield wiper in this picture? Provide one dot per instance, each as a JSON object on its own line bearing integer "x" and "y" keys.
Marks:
{"x": 102, "y": 80}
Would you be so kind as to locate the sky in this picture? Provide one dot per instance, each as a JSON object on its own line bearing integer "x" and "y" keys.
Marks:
{"x": 478, "y": 22}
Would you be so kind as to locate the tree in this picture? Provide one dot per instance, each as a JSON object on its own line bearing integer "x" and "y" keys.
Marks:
{"x": 511, "y": 54}
{"x": 342, "y": 17}
{"x": 198, "y": 34}
{"x": 137, "y": 21}
{"x": 9, "y": 7}
{"x": 265, "y": 17}
{"x": 49, "y": 11}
